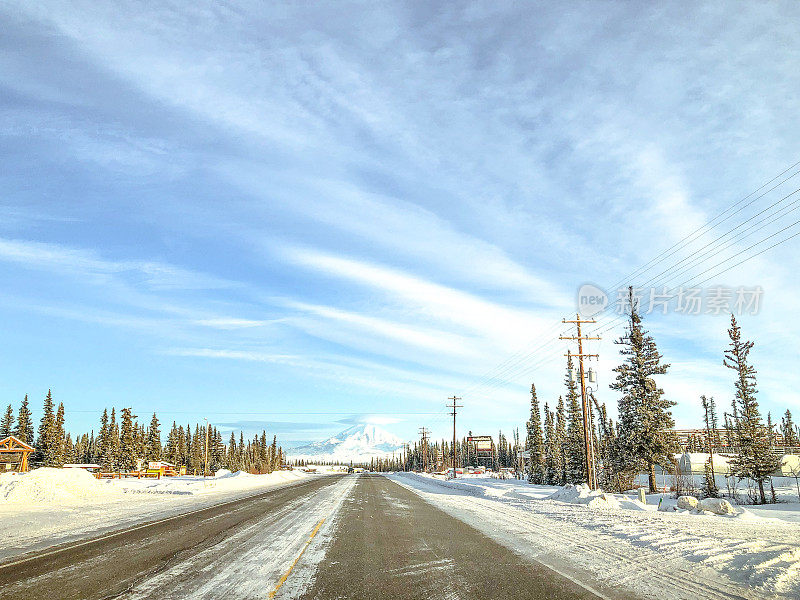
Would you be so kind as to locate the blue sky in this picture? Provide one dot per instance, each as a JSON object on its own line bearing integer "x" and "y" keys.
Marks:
{"x": 306, "y": 215}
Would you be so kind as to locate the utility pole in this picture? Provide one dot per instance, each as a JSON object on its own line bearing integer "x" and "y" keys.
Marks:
{"x": 591, "y": 480}
{"x": 424, "y": 433}
{"x": 454, "y": 406}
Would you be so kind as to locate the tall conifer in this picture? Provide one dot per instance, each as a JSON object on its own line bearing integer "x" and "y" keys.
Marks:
{"x": 646, "y": 427}
{"x": 754, "y": 460}
{"x": 534, "y": 442}
{"x": 7, "y": 423}
{"x": 24, "y": 429}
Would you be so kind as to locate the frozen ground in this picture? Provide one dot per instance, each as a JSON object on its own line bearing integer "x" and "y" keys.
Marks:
{"x": 786, "y": 491}
{"x": 624, "y": 545}
{"x": 51, "y": 506}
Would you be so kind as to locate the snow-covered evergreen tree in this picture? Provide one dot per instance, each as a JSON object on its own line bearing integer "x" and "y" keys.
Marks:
{"x": 45, "y": 444}
{"x": 110, "y": 454}
{"x": 59, "y": 448}
{"x": 276, "y": 455}
{"x": 7, "y": 423}
{"x": 551, "y": 450}
{"x": 754, "y": 459}
{"x": 710, "y": 420}
{"x": 646, "y": 434}
{"x": 154, "y": 439}
{"x": 788, "y": 430}
{"x": 103, "y": 440}
{"x": 232, "y": 454}
{"x": 534, "y": 442}
{"x": 574, "y": 446}
{"x": 127, "y": 441}
{"x": 560, "y": 461}
{"x": 24, "y": 428}
{"x": 197, "y": 449}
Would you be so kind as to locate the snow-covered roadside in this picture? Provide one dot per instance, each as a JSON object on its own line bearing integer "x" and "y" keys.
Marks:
{"x": 53, "y": 506}
{"x": 643, "y": 551}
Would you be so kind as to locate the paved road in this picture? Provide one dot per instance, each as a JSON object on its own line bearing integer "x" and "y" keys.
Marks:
{"x": 334, "y": 537}
{"x": 117, "y": 565}
{"x": 390, "y": 544}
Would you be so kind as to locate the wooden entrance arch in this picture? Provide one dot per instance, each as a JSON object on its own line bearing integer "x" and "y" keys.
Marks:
{"x": 14, "y": 452}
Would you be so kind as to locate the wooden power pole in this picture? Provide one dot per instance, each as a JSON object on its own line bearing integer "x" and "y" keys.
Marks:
{"x": 424, "y": 433}
{"x": 591, "y": 479}
{"x": 454, "y": 406}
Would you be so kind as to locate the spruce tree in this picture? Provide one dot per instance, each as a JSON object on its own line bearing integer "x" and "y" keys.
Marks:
{"x": 575, "y": 448}
{"x": 181, "y": 458}
{"x": 141, "y": 442}
{"x": 231, "y": 461}
{"x": 197, "y": 448}
{"x": 59, "y": 449}
{"x": 7, "y": 423}
{"x": 534, "y": 442}
{"x": 754, "y": 460}
{"x": 24, "y": 429}
{"x": 264, "y": 455}
{"x": 788, "y": 430}
{"x": 561, "y": 443}
{"x": 172, "y": 445}
{"x": 45, "y": 444}
{"x": 111, "y": 456}
{"x": 127, "y": 440}
{"x": 276, "y": 454}
{"x": 710, "y": 420}
{"x": 646, "y": 427}
{"x": 103, "y": 441}
{"x": 154, "y": 439}
{"x": 551, "y": 450}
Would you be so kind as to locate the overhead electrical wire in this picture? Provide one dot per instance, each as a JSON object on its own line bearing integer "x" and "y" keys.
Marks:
{"x": 513, "y": 366}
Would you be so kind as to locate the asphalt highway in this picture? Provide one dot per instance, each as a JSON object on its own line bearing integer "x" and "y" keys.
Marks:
{"x": 362, "y": 537}
{"x": 392, "y": 545}
{"x": 113, "y": 565}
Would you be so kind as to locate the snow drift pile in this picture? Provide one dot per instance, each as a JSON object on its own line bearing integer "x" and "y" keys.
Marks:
{"x": 581, "y": 494}
{"x": 52, "y": 486}
{"x": 72, "y": 486}
{"x": 718, "y": 506}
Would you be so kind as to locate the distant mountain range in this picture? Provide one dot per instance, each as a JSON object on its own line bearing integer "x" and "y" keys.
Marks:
{"x": 358, "y": 443}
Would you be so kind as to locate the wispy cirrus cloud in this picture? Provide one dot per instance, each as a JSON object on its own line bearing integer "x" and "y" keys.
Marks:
{"x": 154, "y": 275}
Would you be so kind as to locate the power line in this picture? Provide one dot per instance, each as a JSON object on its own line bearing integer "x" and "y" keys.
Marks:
{"x": 510, "y": 367}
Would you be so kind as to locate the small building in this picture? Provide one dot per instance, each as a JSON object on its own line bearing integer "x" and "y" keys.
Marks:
{"x": 163, "y": 468}
{"x": 14, "y": 454}
{"x": 694, "y": 463}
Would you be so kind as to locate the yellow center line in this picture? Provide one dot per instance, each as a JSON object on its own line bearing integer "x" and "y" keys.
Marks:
{"x": 283, "y": 579}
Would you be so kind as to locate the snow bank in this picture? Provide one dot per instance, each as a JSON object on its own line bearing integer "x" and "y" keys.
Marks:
{"x": 223, "y": 482}
{"x": 669, "y": 554}
{"x": 581, "y": 494}
{"x": 73, "y": 486}
{"x": 687, "y": 502}
{"x": 718, "y": 506}
{"x": 51, "y": 486}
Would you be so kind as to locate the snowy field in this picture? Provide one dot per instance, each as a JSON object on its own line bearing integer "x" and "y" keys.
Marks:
{"x": 614, "y": 544}
{"x": 52, "y": 506}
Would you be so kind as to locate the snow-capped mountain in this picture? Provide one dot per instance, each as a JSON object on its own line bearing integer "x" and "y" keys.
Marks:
{"x": 358, "y": 443}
